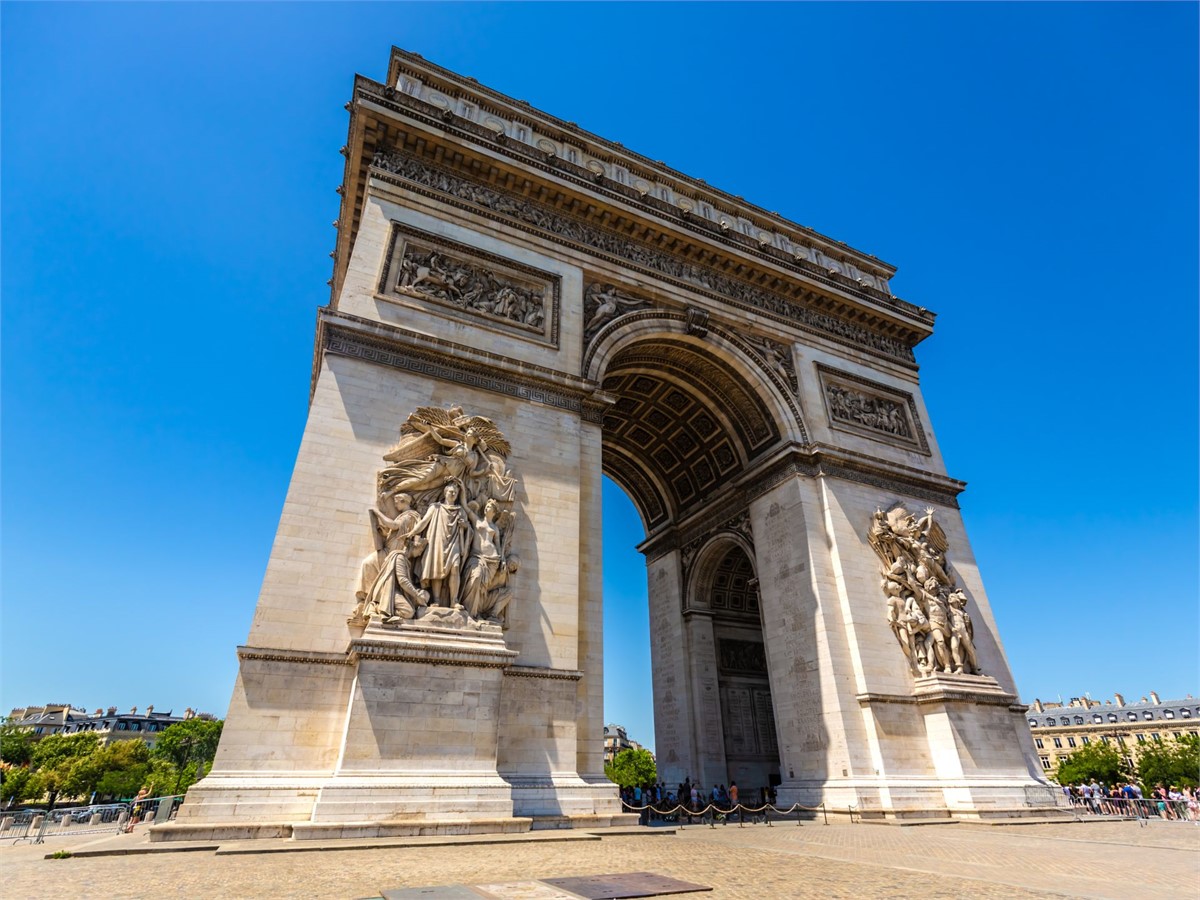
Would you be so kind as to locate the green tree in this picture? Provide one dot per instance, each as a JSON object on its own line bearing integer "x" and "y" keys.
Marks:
{"x": 56, "y": 761}
{"x": 16, "y": 783}
{"x": 16, "y": 744}
{"x": 1173, "y": 762}
{"x": 1093, "y": 762}
{"x": 189, "y": 746}
{"x": 119, "y": 769}
{"x": 631, "y": 768}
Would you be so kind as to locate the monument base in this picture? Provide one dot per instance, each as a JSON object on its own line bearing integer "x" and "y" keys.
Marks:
{"x": 973, "y": 744}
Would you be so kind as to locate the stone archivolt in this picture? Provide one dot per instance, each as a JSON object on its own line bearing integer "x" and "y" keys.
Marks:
{"x": 442, "y": 528}
{"x": 925, "y": 609}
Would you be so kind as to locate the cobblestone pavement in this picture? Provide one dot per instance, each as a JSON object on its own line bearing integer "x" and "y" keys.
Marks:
{"x": 1111, "y": 859}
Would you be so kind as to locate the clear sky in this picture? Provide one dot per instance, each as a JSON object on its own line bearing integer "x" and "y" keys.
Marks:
{"x": 168, "y": 187}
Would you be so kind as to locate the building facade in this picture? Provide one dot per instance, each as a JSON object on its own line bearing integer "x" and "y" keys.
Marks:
{"x": 1059, "y": 729}
{"x": 107, "y": 724}
{"x": 616, "y": 740}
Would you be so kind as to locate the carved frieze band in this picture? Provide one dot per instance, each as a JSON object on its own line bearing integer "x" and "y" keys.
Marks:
{"x": 566, "y": 229}
{"x": 459, "y": 279}
{"x": 540, "y": 158}
{"x": 874, "y": 410}
{"x": 451, "y": 367}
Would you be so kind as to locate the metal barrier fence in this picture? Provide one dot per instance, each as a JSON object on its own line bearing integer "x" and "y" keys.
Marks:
{"x": 1142, "y": 809}
{"x": 711, "y": 813}
{"x": 35, "y": 825}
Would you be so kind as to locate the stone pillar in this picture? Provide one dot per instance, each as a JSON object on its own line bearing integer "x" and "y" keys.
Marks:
{"x": 674, "y": 739}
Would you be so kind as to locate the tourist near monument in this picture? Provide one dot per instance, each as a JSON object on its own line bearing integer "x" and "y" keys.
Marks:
{"x": 518, "y": 308}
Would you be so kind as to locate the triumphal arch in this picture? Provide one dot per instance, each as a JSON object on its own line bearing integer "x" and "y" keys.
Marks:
{"x": 518, "y": 308}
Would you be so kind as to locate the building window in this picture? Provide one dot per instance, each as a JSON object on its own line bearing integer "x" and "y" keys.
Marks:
{"x": 1104, "y": 738}
{"x": 1177, "y": 735}
{"x": 1155, "y": 735}
{"x": 1033, "y": 723}
{"x": 1045, "y": 763}
{"x": 1186, "y": 713}
{"x": 1096, "y": 718}
{"x": 1148, "y": 716}
{"x": 1058, "y": 743}
{"x": 1112, "y": 717}
{"x": 1079, "y": 720}
{"x": 1070, "y": 742}
{"x": 1038, "y": 742}
{"x": 1168, "y": 713}
{"x": 1064, "y": 721}
{"x": 1141, "y": 739}
{"x": 1086, "y": 740}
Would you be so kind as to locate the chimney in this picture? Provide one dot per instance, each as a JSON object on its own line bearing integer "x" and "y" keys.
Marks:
{"x": 188, "y": 713}
{"x": 133, "y": 710}
{"x": 1154, "y": 697}
{"x": 1120, "y": 699}
{"x": 150, "y": 709}
{"x": 1037, "y": 704}
{"x": 112, "y": 710}
{"x": 98, "y": 713}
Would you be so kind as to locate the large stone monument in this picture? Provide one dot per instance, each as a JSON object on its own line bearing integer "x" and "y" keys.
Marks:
{"x": 519, "y": 306}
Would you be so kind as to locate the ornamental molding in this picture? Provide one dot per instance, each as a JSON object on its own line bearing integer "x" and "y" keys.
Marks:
{"x": 305, "y": 657}
{"x": 860, "y": 406}
{"x": 547, "y": 674}
{"x": 405, "y": 171}
{"x": 543, "y": 154}
{"x": 342, "y": 334}
{"x": 459, "y": 280}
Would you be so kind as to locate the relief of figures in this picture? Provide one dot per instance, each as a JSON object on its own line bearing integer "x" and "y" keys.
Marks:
{"x": 602, "y": 303}
{"x": 868, "y": 410}
{"x": 442, "y": 526}
{"x": 433, "y": 274}
{"x": 925, "y": 608}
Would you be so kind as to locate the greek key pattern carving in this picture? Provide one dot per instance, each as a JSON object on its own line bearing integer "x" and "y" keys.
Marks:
{"x": 567, "y": 229}
{"x": 467, "y": 280}
{"x": 857, "y": 404}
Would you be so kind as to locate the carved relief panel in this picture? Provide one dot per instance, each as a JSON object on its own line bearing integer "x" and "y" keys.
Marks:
{"x": 453, "y": 279}
{"x": 872, "y": 410}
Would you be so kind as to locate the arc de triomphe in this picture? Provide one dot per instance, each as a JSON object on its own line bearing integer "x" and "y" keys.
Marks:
{"x": 518, "y": 307}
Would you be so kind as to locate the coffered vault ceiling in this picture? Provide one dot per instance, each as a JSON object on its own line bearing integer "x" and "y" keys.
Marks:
{"x": 683, "y": 424}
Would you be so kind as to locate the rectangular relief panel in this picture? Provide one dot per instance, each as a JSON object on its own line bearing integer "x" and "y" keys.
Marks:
{"x": 462, "y": 282}
{"x": 870, "y": 409}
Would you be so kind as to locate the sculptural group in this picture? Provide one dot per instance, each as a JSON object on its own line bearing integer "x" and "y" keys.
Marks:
{"x": 442, "y": 524}
{"x": 925, "y": 608}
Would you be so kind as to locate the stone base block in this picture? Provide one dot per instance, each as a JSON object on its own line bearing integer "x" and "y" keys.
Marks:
{"x": 615, "y": 820}
{"x": 563, "y": 795}
{"x": 932, "y": 799}
{"x": 316, "y": 831}
{"x": 219, "y": 831}
{"x": 413, "y": 798}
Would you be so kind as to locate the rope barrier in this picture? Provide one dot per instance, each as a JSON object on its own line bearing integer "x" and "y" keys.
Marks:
{"x": 724, "y": 812}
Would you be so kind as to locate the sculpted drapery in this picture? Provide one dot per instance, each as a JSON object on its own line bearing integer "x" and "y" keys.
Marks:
{"x": 443, "y": 523}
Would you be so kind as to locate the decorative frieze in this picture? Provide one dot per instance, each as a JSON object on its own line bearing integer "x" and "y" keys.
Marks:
{"x": 458, "y": 279}
{"x": 559, "y": 227}
{"x": 874, "y": 410}
{"x": 741, "y": 657}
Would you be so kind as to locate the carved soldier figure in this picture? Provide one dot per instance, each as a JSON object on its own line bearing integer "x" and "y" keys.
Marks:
{"x": 962, "y": 636}
{"x": 447, "y": 534}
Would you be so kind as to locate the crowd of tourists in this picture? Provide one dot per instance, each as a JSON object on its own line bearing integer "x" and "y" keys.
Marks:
{"x": 657, "y": 802}
{"x": 1128, "y": 800}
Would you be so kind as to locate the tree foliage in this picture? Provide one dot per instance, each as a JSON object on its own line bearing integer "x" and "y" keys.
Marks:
{"x": 1094, "y": 762}
{"x": 189, "y": 746}
{"x": 16, "y": 744}
{"x": 1169, "y": 763}
{"x": 60, "y": 765}
{"x": 631, "y": 768}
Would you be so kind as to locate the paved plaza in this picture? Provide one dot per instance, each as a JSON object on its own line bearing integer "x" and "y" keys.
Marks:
{"x": 1103, "y": 859}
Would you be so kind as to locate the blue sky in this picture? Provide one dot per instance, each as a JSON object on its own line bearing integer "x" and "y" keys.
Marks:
{"x": 167, "y": 187}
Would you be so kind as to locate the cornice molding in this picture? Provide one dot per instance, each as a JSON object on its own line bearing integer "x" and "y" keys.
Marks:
{"x": 450, "y": 187}
{"x": 497, "y": 103}
{"x": 342, "y": 334}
